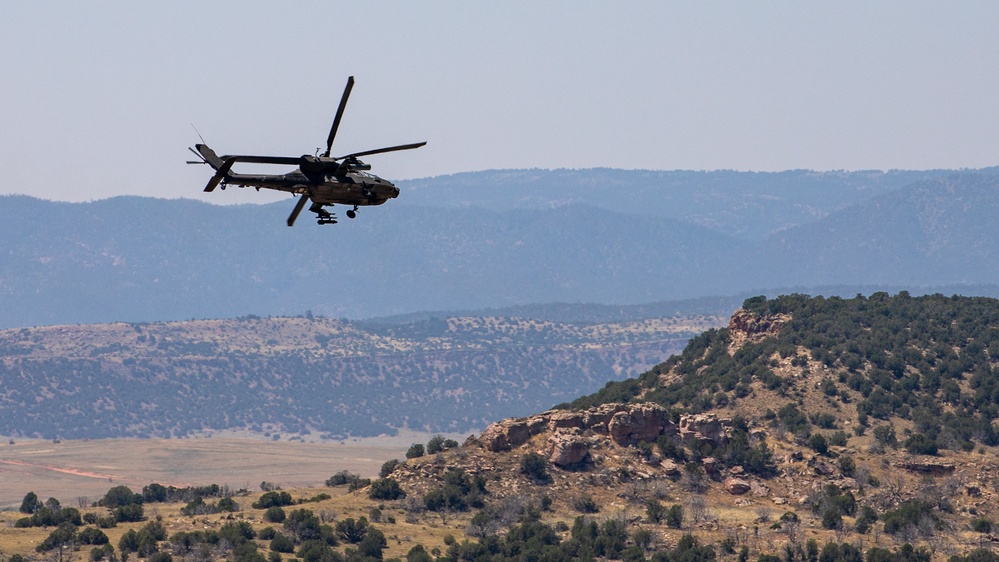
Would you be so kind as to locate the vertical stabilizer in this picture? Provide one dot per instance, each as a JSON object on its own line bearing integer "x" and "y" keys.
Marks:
{"x": 209, "y": 155}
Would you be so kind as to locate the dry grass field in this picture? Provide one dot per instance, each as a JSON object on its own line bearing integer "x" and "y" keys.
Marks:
{"x": 69, "y": 470}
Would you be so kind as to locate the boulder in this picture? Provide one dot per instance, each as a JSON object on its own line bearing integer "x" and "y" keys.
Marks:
{"x": 567, "y": 447}
{"x": 505, "y": 435}
{"x": 819, "y": 467}
{"x": 596, "y": 419}
{"x": 640, "y": 422}
{"x": 536, "y": 424}
{"x": 759, "y": 489}
{"x": 736, "y": 486}
{"x": 711, "y": 466}
{"x": 704, "y": 428}
{"x": 560, "y": 420}
{"x": 845, "y": 483}
{"x": 670, "y": 468}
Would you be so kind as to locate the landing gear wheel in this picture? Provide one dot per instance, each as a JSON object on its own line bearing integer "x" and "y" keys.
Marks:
{"x": 351, "y": 214}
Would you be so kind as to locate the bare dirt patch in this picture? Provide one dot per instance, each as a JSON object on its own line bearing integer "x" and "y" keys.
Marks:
{"x": 69, "y": 470}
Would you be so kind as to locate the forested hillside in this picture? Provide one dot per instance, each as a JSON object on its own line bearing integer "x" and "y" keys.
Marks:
{"x": 289, "y": 377}
{"x": 929, "y": 361}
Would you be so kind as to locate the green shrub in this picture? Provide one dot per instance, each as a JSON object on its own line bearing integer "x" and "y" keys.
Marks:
{"x": 818, "y": 444}
{"x": 388, "y": 467}
{"x": 908, "y": 513}
{"x": 535, "y": 467}
{"x": 92, "y": 536}
{"x": 920, "y": 444}
{"x": 584, "y": 503}
{"x": 674, "y": 518}
{"x": 980, "y": 525}
{"x": 274, "y": 514}
{"x": 385, "y": 489}
{"x": 831, "y": 518}
{"x": 847, "y": 466}
{"x": 885, "y": 435}
{"x": 281, "y": 543}
{"x": 274, "y": 498}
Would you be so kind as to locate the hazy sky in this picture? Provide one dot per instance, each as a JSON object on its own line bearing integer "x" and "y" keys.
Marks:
{"x": 98, "y": 99}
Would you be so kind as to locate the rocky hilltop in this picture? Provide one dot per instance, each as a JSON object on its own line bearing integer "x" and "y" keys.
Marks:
{"x": 802, "y": 420}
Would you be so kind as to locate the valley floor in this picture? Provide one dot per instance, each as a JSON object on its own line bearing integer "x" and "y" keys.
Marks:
{"x": 71, "y": 469}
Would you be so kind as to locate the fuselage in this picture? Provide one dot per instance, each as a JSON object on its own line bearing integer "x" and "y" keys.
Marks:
{"x": 351, "y": 188}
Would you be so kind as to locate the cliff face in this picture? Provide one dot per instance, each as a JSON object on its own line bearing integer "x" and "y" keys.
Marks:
{"x": 569, "y": 435}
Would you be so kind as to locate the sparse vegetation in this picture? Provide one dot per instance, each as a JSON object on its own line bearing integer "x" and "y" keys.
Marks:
{"x": 800, "y": 398}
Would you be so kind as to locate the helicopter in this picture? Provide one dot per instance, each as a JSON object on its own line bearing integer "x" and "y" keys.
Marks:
{"x": 321, "y": 179}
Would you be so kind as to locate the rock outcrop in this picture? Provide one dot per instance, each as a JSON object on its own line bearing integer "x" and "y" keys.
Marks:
{"x": 645, "y": 422}
{"x": 746, "y": 327}
{"x": 567, "y": 447}
{"x": 626, "y": 424}
{"x": 571, "y": 435}
{"x": 927, "y": 465}
{"x": 698, "y": 428}
{"x": 755, "y": 326}
{"x": 505, "y": 435}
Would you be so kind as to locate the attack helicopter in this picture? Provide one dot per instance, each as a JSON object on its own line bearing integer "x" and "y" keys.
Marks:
{"x": 322, "y": 179}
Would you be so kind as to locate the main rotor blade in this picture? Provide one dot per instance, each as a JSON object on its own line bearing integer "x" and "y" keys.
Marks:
{"x": 386, "y": 149}
{"x": 339, "y": 115}
{"x": 298, "y": 208}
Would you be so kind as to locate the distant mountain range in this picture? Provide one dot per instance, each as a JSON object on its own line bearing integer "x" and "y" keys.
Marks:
{"x": 503, "y": 239}
{"x": 745, "y": 205}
